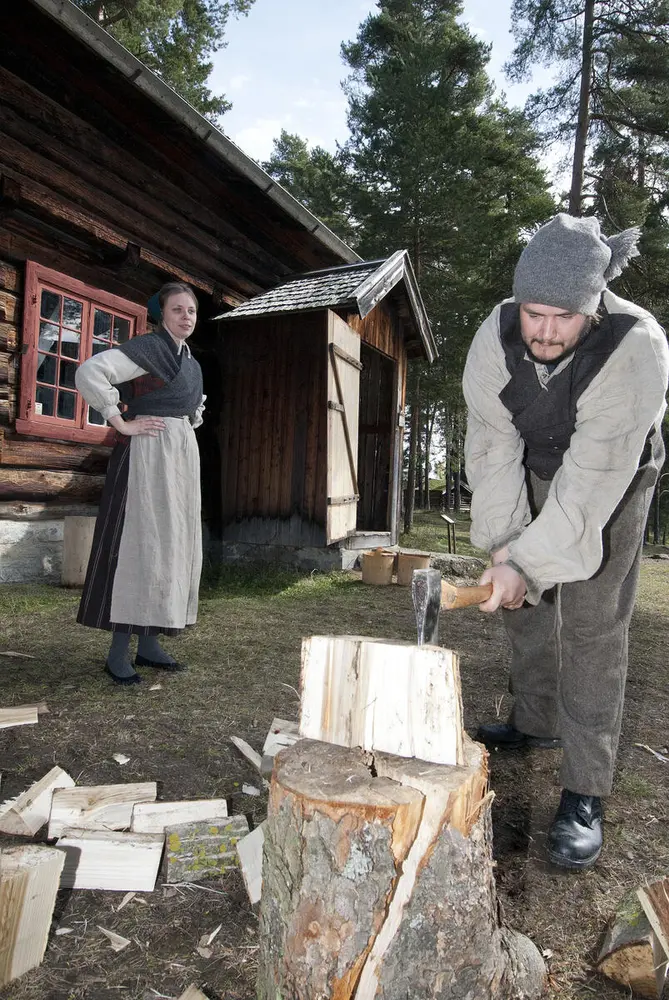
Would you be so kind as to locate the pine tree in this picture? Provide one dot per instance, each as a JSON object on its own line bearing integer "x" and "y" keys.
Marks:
{"x": 174, "y": 38}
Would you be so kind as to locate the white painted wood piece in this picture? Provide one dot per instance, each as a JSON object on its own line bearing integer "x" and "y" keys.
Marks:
{"x": 98, "y": 807}
{"x": 250, "y": 852}
{"x": 21, "y": 715}
{"x": 108, "y": 859}
{"x": 282, "y": 733}
{"x": 378, "y": 695}
{"x": 154, "y": 817}
{"x": 29, "y": 880}
{"x": 25, "y": 814}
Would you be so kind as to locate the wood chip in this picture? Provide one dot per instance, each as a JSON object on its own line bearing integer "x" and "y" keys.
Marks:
{"x": 117, "y": 942}
{"x": 121, "y": 758}
{"x": 250, "y": 790}
{"x": 247, "y": 750}
{"x": 126, "y": 899}
{"x": 18, "y": 656}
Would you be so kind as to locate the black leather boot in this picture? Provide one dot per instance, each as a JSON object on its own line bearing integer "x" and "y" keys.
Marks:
{"x": 575, "y": 836}
{"x": 503, "y": 736}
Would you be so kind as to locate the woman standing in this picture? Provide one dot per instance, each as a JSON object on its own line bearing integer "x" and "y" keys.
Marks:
{"x": 144, "y": 571}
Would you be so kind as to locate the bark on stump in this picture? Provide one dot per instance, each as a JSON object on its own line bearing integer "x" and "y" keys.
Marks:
{"x": 378, "y": 882}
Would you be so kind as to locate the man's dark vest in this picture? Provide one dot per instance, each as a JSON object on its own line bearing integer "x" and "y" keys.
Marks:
{"x": 546, "y": 417}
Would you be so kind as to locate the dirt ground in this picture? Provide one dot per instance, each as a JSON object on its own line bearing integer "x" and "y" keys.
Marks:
{"x": 244, "y": 665}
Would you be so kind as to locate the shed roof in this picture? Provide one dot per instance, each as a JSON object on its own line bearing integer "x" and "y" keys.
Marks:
{"x": 359, "y": 286}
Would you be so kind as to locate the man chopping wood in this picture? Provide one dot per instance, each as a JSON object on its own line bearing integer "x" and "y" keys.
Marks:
{"x": 565, "y": 386}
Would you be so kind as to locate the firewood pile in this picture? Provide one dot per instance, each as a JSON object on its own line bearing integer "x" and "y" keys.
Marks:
{"x": 110, "y": 837}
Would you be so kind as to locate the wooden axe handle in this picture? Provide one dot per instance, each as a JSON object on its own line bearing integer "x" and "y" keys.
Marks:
{"x": 463, "y": 597}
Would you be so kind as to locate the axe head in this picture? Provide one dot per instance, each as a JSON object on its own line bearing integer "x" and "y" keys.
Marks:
{"x": 426, "y": 595}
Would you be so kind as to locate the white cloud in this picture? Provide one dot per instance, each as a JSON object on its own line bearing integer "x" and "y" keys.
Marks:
{"x": 257, "y": 140}
{"x": 302, "y": 102}
{"x": 239, "y": 82}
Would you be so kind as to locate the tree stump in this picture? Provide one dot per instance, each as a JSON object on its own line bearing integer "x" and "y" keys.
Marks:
{"x": 378, "y": 882}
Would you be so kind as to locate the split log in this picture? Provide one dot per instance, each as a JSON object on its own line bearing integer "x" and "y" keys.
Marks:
{"x": 97, "y": 807}
{"x": 378, "y": 882}
{"x": 655, "y": 901}
{"x": 399, "y": 698}
{"x": 30, "y": 811}
{"x": 203, "y": 850}
{"x": 101, "y": 859}
{"x": 250, "y": 852}
{"x": 20, "y": 715}
{"x": 29, "y": 878}
{"x": 37, "y": 484}
{"x": 155, "y": 817}
{"x": 630, "y": 954}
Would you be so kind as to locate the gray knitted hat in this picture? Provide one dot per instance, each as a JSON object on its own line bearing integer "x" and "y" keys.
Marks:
{"x": 568, "y": 263}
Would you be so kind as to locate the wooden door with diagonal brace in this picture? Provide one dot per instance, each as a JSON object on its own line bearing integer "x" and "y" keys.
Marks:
{"x": 343, "y": 408}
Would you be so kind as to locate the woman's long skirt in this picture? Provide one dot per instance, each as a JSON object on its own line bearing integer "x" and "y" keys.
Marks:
{"x": 144, "y": 571}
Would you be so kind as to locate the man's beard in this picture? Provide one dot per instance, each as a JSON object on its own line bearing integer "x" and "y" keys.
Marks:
{"x": 585, "y": 330}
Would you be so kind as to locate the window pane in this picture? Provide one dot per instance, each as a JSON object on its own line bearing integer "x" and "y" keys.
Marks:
{"x": 66, "y": 405}
{"x": 68, "y": 369}
{"x": 44, "y": 401}
{"x": 72, "y": 311}
{"x": 69, "y": 344}
{"x": 121, "y": 330}
{"x": 46, "y": 369}
{"x": 48, "y": 337}
{"x": 94, "y": 417}
{"x": 102, "y": 324}
{"x": 50, "y": 305}
{"x": 100, "y": 345}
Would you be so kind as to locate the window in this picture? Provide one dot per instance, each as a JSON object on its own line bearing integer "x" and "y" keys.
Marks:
{"x": 66, "y": 322}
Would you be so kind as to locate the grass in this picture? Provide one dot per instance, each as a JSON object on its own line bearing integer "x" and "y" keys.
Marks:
{"x": 429, "y": 534}
{"x": 244, "y": 659}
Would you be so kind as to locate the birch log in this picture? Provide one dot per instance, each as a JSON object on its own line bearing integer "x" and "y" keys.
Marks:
{"x": 378, "y": 882}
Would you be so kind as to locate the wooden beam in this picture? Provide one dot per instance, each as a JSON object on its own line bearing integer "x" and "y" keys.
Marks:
{"x": 18, "y": 450}
{"x": 49, "y": 511}
{"x": 10, "y": 306}
{"x": 9, "y": 337}
{"x": 37, "y": 484}
{"x": 11, "y": 278}
{"x": 29, "y": 879}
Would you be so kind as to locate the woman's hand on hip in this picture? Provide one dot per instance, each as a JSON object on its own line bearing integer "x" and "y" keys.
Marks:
{"x": 508, "y": 588}
{"x": 149, "y": 426}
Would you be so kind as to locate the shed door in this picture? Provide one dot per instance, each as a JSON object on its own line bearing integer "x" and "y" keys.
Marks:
{"x": 343, "y": 405}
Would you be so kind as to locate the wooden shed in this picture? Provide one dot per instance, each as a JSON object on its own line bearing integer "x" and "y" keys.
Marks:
{"x": 314, "y": 375}
{"x": 110, "y": 185}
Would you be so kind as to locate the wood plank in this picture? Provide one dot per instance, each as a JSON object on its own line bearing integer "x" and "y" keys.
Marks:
{"x": 398, "y": 698}
{"x": 18, "y": 450}
{"x": 102, "y": 859}
{"x": 26, "y": 814}
{"x": 21, "y": 715}
{"x": 250, "y": 852}
{"x": 38, "y": 484}
{"x": 282, "y": 733}
{"x": 29, "y": 880}
{"x": 154, "y": 817}
{"x": 19, "y": 510}
{"x": 98, "y": 807}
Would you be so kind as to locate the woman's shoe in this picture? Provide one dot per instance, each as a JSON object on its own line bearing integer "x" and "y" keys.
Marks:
{"x": 173, "y": 667}
{"x": 130, "y": 679}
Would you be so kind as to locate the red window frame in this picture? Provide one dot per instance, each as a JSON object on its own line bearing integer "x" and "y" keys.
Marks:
{"x": 29, "y": 419}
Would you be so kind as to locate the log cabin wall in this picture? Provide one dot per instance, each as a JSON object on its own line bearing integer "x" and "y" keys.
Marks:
{"x": 274, "y": 430}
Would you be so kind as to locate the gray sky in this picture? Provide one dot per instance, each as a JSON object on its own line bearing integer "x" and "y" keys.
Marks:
{"x": 282, "y": 67}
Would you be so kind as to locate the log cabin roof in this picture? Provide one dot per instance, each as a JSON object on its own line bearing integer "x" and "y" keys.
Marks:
{"x": 98, "y": 99}
{"x": 358, "y": 286}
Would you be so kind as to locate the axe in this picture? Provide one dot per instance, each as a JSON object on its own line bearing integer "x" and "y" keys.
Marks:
{"x": 430, "y": 594}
